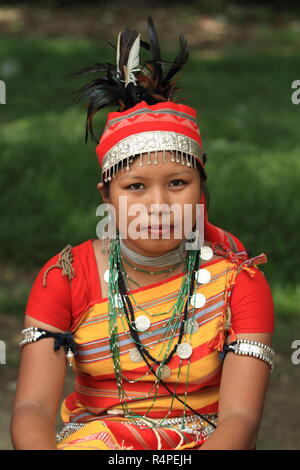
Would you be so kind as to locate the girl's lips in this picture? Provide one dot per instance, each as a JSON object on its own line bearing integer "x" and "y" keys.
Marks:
{"x": 160, "y": 229}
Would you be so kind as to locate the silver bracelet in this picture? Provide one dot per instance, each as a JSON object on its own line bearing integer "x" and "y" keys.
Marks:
{"x": 30, "y": 335}
{"x": 247, "y": 347}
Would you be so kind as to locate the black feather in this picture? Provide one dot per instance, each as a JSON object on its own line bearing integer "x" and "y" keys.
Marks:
{"x": 180, "y": 59}
{"x": 155, "y": 49}
{"x": 152, "y": 85}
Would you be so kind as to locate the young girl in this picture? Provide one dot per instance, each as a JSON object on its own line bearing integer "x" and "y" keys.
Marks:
{"x": 147, "y": 317}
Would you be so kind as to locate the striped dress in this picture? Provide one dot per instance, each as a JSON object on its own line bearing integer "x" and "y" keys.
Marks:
{"x": 94, "y": 408}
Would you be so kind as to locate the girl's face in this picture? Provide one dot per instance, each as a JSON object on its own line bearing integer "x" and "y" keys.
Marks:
{"x": 155, "y": 189}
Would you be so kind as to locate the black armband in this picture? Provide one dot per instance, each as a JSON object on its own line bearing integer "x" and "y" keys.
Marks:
{"x": 33, "y": 334}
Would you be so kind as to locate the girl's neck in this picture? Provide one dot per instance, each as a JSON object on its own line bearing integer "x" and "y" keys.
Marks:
{"x": 154, "y": 263}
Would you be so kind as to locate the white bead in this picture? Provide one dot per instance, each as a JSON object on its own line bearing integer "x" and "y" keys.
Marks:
{"x": 198, "y": 300}
{"x": 203, "y": 276}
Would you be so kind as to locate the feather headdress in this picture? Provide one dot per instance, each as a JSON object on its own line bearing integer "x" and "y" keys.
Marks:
{"x": 147, "y": 119}
{"x": 128, "y": 82}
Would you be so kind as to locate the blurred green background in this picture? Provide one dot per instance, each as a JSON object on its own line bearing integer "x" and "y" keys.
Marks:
{"x": 243, "y": 60}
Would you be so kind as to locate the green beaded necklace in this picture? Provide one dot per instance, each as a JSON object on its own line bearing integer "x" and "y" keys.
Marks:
{"x": 151, "y": 273}
{"x": 181, "y": 292}
{"x": 173, "y": 325}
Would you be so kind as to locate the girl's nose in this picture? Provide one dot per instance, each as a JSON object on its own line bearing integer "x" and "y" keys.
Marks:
{"x": 158, "y": 196}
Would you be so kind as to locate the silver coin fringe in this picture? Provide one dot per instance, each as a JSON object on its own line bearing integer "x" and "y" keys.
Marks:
{"x": 183, "y": 150}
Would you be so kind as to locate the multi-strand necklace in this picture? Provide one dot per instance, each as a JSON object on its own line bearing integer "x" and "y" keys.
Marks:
{"x": 120, "y": 306}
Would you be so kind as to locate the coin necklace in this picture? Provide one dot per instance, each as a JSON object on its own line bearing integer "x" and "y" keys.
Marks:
{"x": 135, "y": 336}
{"x": 115, "y": 301}
{"x": 115, "y": 352}
{"x": 181, "y": 295}
{"x": 114, "y": 344}
{"x": 151, "y": 273}
{"x": 134, "y": 331}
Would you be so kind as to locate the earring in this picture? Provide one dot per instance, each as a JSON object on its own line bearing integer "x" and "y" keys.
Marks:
{"x": 105, "y": 238}
{"x": 109, "y": 235}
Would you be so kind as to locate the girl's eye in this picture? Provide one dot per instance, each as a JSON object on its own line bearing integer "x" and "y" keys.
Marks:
{"x": 137, "y": 186}
{"x": 133, "y": 184}
{"x": 177, "y": 181}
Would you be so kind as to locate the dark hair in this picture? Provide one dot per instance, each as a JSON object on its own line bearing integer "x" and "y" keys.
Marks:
{"x": 202, "y": 182}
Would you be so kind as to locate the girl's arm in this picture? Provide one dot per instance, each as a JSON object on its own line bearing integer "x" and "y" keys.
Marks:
{"x": 40, "y": 386}
{"x": 243, "y": 388}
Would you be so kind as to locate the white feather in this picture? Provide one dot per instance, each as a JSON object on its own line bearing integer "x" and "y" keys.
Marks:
{"x": 118, "y": 53}
{"x": 133, "y": 62}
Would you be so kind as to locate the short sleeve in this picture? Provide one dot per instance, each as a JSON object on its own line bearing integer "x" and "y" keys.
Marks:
{"x": 251, "y": 304}
{"x": 49, "y": 299}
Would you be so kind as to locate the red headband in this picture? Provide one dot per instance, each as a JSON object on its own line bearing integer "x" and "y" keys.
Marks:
{"x": 150, "y": 128}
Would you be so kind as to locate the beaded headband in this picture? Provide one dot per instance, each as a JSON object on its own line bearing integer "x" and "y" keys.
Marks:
{"x": 146, "y": 129}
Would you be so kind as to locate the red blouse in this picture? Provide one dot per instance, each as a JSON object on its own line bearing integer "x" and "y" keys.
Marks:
{"x": 61, "y": 305}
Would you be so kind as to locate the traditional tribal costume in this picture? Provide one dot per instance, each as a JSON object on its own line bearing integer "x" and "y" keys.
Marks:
{"x": 148, "y": 362}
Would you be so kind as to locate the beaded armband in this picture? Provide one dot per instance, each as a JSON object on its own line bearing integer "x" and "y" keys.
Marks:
{"x": 33, "y": 334}
{"x": 246, "y": 347}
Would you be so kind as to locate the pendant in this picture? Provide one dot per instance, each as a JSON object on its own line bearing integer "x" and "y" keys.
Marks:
{"x": 198, "y": 300}
{"x": 135, "y": 355}
{"x": 70, "y": 357}
{"x": 191, "y": 327}
{"x": 206, "y": 253}
{"x": 203, "y": 276}
{"x": 184, "y": 350}
{"x": 142, "y": 323}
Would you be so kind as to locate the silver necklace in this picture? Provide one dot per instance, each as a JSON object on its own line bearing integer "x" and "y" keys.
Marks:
{"x": 172, "y": 257}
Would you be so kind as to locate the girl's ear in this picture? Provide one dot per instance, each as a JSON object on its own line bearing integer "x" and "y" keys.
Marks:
{"x": 101, "y": 189}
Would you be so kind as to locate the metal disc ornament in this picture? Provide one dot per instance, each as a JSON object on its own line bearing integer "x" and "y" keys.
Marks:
{"x": 206, "y": 253}
{"x": 135, "y": 355}
{"x": 165, "y": 372}
{"x": 198, "y": 300}
{"x": 142, "y": 323}
{"x": 203, "y": 276}
{"x": 184, "y": 350}
{"x": 191, "y": 326}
